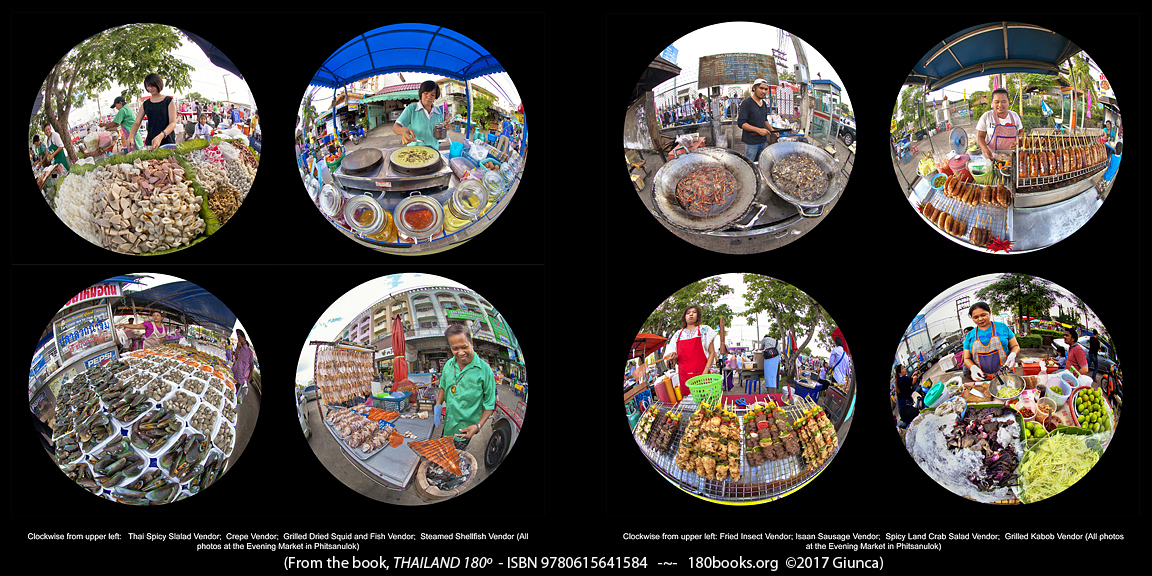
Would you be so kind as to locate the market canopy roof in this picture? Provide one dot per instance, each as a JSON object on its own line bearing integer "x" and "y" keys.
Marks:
{"x": 192, "y": 300}
{"x": 645, "y": 343}
{"x": 994, "y": 48}
{"x": 398, "y": 95}
{"x": 215, "y": 56}
{"x": 406, "y": 48}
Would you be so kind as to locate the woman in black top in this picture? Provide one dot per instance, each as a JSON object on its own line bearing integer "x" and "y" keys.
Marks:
{"x": 904, "y": 386}
{"x": 161, "y": 113}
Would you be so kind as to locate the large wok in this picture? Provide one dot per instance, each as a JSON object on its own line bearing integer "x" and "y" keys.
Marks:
{"x": 726, "y": 216}
{"x": 810, "y": 208}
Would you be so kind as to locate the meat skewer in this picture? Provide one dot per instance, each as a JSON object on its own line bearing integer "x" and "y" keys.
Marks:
{"x": 1059, "y": 159}
{"x": 1033, "y": 161}
{"x": 1043, "y": 161}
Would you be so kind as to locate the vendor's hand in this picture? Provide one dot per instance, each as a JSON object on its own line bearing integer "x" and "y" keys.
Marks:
{"x": 407, "y": 136}
{"x": 159, "y": 139}
{"x": 470, "y": 431}
{"x": 670, "y": 357}
{"x": 977, "y": 374}
{"x": 436, "y": 416}
{"x": 1011, "y": 361}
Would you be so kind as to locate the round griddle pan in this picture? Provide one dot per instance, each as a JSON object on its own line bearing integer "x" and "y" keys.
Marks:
{"x": 428, "y": 167}
{"x": 362, "y": 160}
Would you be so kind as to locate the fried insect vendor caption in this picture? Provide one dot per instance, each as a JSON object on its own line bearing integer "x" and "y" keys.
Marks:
{"x": 856, "y": 542}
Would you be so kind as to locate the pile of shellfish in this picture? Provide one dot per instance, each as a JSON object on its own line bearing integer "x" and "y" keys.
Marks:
{"x": 145, "y": 206}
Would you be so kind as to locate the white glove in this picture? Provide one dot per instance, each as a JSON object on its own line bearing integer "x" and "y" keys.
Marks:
{"x": 1011, "y": 361}
{"x": 977, "y": 374}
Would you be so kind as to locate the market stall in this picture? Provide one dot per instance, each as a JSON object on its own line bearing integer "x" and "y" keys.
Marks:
{"x": 156, "y": 202}
{"x": 144, "y": 427}
{"x": 427, "y": 196}
{"x": 1042, "y": 185}
{"x": 718, "y": 192}
{"x": 372, "y": 429}
{"x": 1014, "y": 439}
{"x": 737, "y": 455}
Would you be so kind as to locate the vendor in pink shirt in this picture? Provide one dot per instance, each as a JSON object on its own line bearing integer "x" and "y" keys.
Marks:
{"x": 154, "y": 330}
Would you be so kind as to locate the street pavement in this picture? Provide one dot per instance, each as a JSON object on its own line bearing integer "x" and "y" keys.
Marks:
{"x": 325, "y": 447}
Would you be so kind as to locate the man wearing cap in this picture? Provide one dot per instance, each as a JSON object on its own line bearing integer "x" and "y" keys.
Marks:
{"x": 753, "y": 120}
{"x": 124, "y": 117}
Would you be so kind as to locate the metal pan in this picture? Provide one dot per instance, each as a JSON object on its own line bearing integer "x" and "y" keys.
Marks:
{"x": 432, "y": 165}
{"x": 744, "y": 201}
{"x": 362, "y": 160}
{"x": 810, "y": 208}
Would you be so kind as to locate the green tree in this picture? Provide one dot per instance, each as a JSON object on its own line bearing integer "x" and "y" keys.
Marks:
{"x": 122, "y": 55}
{"x": 793, "y": 311}
{"x": 480, "y": 104}
{"x": 666, "y": 318}
{"x": 1027, "y": 295}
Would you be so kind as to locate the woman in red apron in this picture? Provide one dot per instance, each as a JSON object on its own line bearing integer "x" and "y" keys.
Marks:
{"x": 1002, "y": 136}
{"x": 690, "y": 342}
{"x": 987, "y": 357}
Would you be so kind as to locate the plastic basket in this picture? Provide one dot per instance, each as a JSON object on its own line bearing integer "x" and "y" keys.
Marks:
{"x": 706, "y": 388}
{"x": 395, "y": 404}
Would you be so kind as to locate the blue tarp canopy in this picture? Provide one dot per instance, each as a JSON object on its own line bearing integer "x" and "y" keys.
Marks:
{"x": 994, "y": 48}
{"x": 195, "y": 302}
{"x": 406, "y": 48}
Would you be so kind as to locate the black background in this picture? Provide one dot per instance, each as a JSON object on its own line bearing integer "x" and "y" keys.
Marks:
{"x": 870, "y": 264}
{"x": 278, "y": 265}
{"x": 873, "y": 266}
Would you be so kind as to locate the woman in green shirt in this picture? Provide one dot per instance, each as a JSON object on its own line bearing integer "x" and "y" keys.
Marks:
{"x": 467, "y": 389}
{"x": 418, "y": 118}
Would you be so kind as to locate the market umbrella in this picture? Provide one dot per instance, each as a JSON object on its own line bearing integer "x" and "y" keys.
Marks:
{"x": 645, "y": 342}
{"x": 399, "y": 364}
{"x": 837, "y": 332}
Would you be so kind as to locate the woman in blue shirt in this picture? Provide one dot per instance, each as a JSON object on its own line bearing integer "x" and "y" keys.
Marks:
{"x": 991, "y": 346}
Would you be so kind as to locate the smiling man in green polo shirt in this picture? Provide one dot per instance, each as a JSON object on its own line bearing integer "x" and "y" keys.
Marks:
{"x": 467, "y": 388}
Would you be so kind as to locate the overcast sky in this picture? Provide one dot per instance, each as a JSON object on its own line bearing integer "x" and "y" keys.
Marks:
{"x": 751, "y": 37}
{"x": 207, "y": 79}
{"x": 343, "y": 310}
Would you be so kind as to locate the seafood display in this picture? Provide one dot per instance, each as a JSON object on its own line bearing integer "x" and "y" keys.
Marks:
{"x": 441, "y": 451}
{"x": 800, "y": 176}
{"x": 705, "y": 190}
{"x": 152, "y": 201}
{"x": 342, "y": 374}
{"x": 133, "y": 430}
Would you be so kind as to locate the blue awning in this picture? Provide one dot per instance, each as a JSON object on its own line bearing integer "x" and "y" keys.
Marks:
{"x": 186, "y": 297}
{"x": 994, "y": 48}
{"x": 406, "y": 48}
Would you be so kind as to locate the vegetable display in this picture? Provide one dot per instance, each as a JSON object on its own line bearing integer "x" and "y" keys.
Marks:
{"x": 1054, "y": 464}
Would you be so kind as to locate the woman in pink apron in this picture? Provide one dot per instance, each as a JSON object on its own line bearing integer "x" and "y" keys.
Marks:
{"x": 989, "y": 347}
{"x": 996, "y": 135}
{"x": 154, "y": 330}
{"x": 690, "y": 342}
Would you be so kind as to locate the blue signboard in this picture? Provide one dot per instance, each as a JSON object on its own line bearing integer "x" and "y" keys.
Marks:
{"x": 669, "y": 54}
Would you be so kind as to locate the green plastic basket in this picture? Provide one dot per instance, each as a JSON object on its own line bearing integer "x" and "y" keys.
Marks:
{"x": 706, "y": 388}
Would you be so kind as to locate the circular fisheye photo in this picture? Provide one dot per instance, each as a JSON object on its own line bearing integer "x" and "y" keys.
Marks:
{"x": 411, "y": 139}
{"x": 145, "y": 389}
{"x": 1006, "y": 137}
{"x": 144, "y": 139}
{"x": 739, "y": 389}
{"x": 739, "y": 137}
{"x": 411, "y": 389}
{"x": 1006, "y": 389}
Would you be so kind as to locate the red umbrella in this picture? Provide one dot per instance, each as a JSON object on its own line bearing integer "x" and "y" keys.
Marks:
{"x": 837, "y": 332}
{"x": 399, "y": 365}
{"x": 645, "y": 343}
